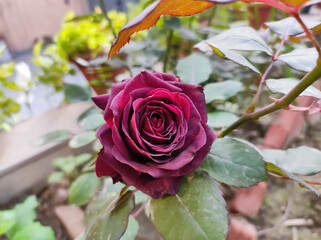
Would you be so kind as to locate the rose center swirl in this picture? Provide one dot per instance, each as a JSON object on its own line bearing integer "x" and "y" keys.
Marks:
{"x": 157, "y": 128}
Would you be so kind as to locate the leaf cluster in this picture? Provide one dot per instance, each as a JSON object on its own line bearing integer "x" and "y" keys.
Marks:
{"x": 20, "y": 222}
{"x": 8, "y": 106}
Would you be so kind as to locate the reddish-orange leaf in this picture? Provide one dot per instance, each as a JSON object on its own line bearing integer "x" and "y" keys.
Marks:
{"x": 273, "y": 3}
{"x": 295, "y": 3}
{"x": 290, "y": 6}
{"x": 150, "y": 16}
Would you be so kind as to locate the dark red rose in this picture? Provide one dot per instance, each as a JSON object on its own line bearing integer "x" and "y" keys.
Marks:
{"x": 155, "y": 132}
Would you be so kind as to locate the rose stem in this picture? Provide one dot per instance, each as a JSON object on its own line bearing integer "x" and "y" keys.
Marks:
{"x": 287, "y": 99}
{"x": 168, "y": 50}
{"x": 309, "y": 34}
{"x": 286, "y": 177}
{"x": 255, "y": 99}
{"x": 103, "y": 8}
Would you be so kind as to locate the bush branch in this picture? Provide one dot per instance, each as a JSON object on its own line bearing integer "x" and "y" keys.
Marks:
{"x": 168, "y": 50}
{"x": 309, "y": 34}
{"x": 103, "y": 8}
{"x": 287, "y": 99}
{"x": 255, "y": 99}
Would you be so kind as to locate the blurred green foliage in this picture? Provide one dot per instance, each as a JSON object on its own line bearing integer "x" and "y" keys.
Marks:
{"x": 8, "y": 106}
{"x": 20, "y": 222}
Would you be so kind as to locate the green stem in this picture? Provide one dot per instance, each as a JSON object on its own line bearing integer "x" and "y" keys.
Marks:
{"x": 287, "y": 99}
{"x": 272, "y": 15}
{"x": 257, "y": 17}
{"x": 168, "y": 50}
{"x": 210, "y": 19}
{"x": 211, "y": 16}
{"x": 263, "y": 77}
{"x": 103, "y": 8}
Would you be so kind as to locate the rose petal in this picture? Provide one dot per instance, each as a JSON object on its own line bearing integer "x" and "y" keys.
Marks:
{"x": 186, "y": 156}
{"x": 196, "y": 95}
{"x": 142, "y": 80}
{"x": 167, "y": 76}
{"x": 113, "y": 112}
{"x": 101, "y": 100}
{"x": 201, "y": 154}
{"x": 155, "y": 132}
{"x": 102, "y": 166}
{"x": 121, "y": 153}
{"x": 157, "y": 188}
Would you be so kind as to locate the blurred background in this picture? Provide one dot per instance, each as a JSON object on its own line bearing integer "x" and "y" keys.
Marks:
{"x": 53, "y": 59}
{"x": 22, "y": 24}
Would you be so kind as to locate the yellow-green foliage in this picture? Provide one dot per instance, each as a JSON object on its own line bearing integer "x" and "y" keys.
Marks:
{"x": 89, "y": 35}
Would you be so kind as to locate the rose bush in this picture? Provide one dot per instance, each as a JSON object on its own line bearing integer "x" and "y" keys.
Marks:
{"x": 155, "y": 132}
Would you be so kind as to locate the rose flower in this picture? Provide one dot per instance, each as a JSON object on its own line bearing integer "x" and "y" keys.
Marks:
{"x": 155, "y": 132}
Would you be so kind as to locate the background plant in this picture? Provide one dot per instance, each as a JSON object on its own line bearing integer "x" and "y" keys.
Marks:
{"x": 231, "y": 161}
{"x": 240, "y": 69}
{"x": 20, "y": 222}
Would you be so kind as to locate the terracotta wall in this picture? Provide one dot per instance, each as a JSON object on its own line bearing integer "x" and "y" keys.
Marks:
{"x": 24, "y": 21}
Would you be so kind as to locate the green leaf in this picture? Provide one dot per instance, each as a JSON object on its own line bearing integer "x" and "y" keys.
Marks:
{"x": 12, "y": 86}
{"x": 92, "y": 121}
{"x": 132, "y": 229}
{"x": 221, "y": 90}
{"x": 81, "y": 159}
{"x": 25, "y": 214}
{"x": 55, "y": 177}
{"x": 141, "y": 197}
{"x": 77, "y": 93}
{"x": 89, "y": 167}
{"x": 112, "y": 222}
{"x": 219, "y": 119}
{"x": 55, "y": 136}
{"x": 37, "y": 48}
{"x": 88, "y": 112}
{"x": 226, "y": 44}
{"x": 291, "y": 26}
{"x": 96, "y": 208}
{"x": 5, "y": 126}
{"x": 97, "y": 145}
{"x": 7, "y": 70}
{"x": 64, "y": 164}
{"x": 26, "y": 211}
{"x": 236, "y": 57}
{"x": 197, "y": 211}
{"x": 302, "y": 59}
{"x": 35, "y": 231}
{"x": 273, "y": 168}
{"x": 82, "y": 139}
{"x": 238, "y": 38}
{"x": 2, "y": 48}
{"x": 194, "y": 69}
{"x": 272, "y": 155}
{"x": 42, "y": 61}
{"x": 83, "y": 188}
{"x": 285, "y": 85}
{"x": 69, "y": 163}
{"x": 302, "y": 160}
{"x": 234, "y": 162}
{"x": 7, "y": 220}
{"x": 99, "y": 203}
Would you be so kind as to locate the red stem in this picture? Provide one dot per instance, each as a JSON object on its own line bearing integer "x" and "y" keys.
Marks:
{"x": 308, "y": 33}
{"x": 251, "y": 108}
{"x": 286, "y": 177}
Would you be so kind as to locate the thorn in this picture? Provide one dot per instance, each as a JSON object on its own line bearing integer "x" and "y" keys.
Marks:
{"x": 275, "y": 99}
